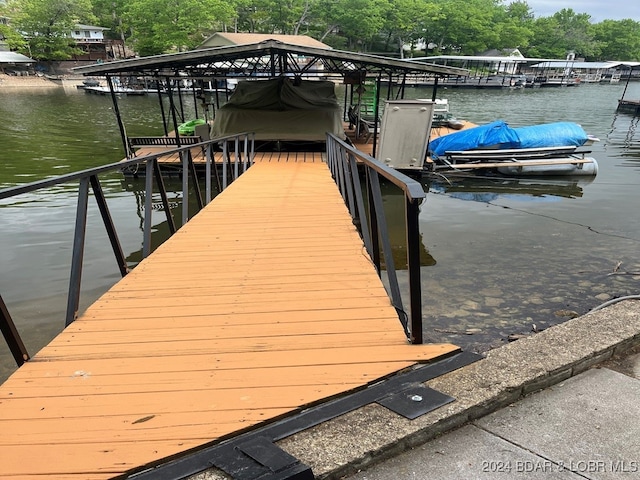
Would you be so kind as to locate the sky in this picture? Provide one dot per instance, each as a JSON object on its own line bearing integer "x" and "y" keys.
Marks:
{"x": 598, "y": 9}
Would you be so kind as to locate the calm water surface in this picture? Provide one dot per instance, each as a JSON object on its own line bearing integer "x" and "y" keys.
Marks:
{"x": 504, "y": 256}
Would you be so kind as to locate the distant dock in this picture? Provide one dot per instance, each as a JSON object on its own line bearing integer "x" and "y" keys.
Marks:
{"x": 629, "y": 106}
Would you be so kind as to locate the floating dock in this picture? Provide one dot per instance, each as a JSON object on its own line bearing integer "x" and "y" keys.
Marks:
{"x": 262, "y": 305}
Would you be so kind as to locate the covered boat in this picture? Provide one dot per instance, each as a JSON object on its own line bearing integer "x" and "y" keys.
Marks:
{"x": 283, "y": 108}
{"x": 499, "y": 135}
{"x": 546, "y": 149}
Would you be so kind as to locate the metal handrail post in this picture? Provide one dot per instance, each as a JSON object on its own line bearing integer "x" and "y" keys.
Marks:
{"x": 207, "y": 172}
{"x": 196, "y": 184}
{"x": 73, "y": 298}
{"x": 185, "y": 186}
{"x": 351, "y": 177}
{"x": 225, "y": 153}
{"x": 108, "y": 224}
{"x": 236, "y": 159}
{"x": 148, "y": 209}
{"x": 246, "y": 157}
{"x": 373, "y": 223}
{"x": 413, "y": 265}
{"x": 11, "y": 335}
{"x": 163, "y": 196}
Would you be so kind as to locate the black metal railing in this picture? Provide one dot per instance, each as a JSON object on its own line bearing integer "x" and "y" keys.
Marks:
{"x": 226, "y": 158}
{"x": 346, "y": 164}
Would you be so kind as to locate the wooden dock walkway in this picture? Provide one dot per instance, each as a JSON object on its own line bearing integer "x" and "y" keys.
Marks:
{"x": 263, "y": 303}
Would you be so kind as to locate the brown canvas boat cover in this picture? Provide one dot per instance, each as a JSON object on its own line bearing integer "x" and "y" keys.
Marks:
{"x": 281, "y": 109}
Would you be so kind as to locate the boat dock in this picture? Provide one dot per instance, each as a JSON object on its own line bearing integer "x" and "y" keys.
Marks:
{"x": 264, "y": 304}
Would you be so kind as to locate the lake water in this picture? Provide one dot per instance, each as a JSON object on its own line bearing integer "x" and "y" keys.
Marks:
{"x": 505, "y": 256}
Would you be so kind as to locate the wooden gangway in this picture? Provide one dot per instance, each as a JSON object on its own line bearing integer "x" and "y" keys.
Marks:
{"x": 264, "y": 303}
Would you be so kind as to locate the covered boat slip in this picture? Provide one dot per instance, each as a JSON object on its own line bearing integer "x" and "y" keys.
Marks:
{"x": 264, "y": 303}
{"x": 301, "y": 111}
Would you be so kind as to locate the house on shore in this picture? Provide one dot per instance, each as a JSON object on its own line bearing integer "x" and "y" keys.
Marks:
{"x": 95, "y": 47}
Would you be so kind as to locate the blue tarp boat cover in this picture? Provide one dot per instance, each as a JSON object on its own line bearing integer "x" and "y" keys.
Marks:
{"x": 499, "y": 135}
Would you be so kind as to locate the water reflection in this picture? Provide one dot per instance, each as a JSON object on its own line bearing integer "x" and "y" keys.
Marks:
{"x": 623, "y": 136}
{"x": 394, "y": 207}
{"x": 488, "y": 189}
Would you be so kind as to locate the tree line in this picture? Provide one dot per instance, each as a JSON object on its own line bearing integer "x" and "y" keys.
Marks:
{"x": 40, "y": 28}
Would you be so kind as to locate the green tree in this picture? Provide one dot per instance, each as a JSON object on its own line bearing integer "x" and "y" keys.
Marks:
{"x": 288, "y": 17}
{"x": 179, "y": 25}
{"x": 563, "y": 33}
{"x": 405, "y": 23}
{"x": 357, "y": 22}
{"x": 514, "y": 25}
{"x": 13, "y": 39}
{"x": 465, "y": 26}
{"x": 109, "y": 14}
{"x": 47, "y": 25}
{"x": 618, "y": 39}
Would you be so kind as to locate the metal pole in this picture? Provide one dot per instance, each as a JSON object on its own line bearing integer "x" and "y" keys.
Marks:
{"x": 236, "y": 161}
{"x": 108, "y": 224}
{"x": 184, "y": 156}
{"x": 377, "y": 114}
{"x": 164, "y": 117}
{"x": 148, "y": 207}
{"x": 163, "y": 195}
{"x": 73, "y": 299}
{"x": 207, "y": 179}
{"x": 624, "y": 92}
{"x": 116, "y": 110}
{"x": 225, "y": 153}
{"x": 196, "y": 184}
{"x": 11, "y": 335}
{"x": 413, "y": 265}
{"x": 172, "y": 107}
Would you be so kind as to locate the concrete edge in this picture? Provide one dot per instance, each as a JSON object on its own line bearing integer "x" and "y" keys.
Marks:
{"x": 372, "y": 434}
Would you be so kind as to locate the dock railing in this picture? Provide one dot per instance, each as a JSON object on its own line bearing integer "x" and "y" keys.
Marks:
{"x": 226, "y": 159}
{"x": 348, "y": 166}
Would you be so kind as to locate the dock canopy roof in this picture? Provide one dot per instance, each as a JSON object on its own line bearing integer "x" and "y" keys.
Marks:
{"x": 269, "y": 58}
{"x": 225, "y": 39}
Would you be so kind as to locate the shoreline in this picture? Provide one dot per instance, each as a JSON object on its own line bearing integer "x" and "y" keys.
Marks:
{"x": 10, "y": 82}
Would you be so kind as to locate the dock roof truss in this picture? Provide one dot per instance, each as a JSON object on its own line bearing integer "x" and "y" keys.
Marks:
{"x": 268, "y": 58}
